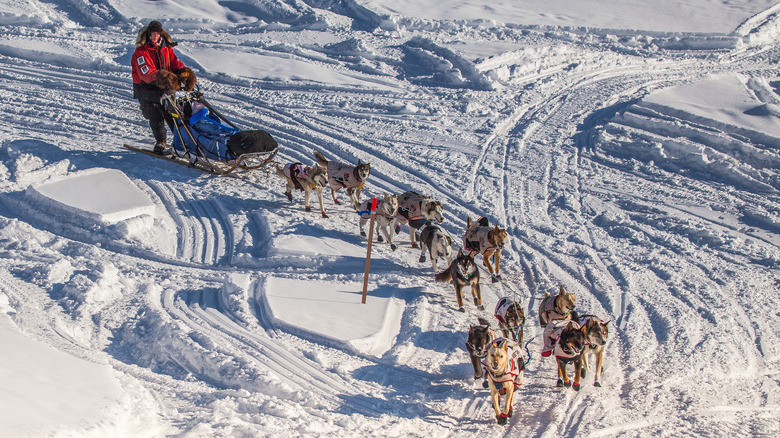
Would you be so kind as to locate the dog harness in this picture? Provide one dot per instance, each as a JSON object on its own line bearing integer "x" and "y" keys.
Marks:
{"x": 294, "y": 171}
{"x": 552, "y": 333}
{"x": 364, "y": 209}
{"x": 502, "y": 307}
{"x": 410, "y": 207}
{"x": 341, "y": 175}
{"x": 477, "y": 239}
{"x": 514, "y": 366}
{"x": 549, "y": 307}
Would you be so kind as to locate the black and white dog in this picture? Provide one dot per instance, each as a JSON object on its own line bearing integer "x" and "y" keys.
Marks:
{"x": 437, "y": 243}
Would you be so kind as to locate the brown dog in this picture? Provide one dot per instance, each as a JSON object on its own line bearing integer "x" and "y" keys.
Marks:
{"x": 504, "y": 367}
{"x": 168, "y": 80}
{"x": 596, "y": 333}
{"x": 569, "y": 347}
{"x": 463, "y": 272}
{"x": 480, "y": 238}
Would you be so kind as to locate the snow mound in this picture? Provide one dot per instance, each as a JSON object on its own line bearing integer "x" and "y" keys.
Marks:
{"x": 333, "y": 313}
{"x": 103, "y": 196}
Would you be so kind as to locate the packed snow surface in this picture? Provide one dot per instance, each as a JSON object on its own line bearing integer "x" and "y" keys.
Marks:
{"x": 630, "y": 149}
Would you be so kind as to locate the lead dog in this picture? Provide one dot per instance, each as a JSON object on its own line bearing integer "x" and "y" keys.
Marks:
{"x": 596, "y": 334}
{"x": 346, "y": 176}
{"x": 437, "y": 243}
{"x": 463, "y": 272}
{"x": 416, "y": 210}
{"x": 304, "y": 178}
{"x": 504, "y": 367}
{"x": 511, "y": 318}
{"x": 556, "y": 307}
{"x": 482, "y": 239}
{"x": 478, "y": 341}
{"x": 386, "y": 209}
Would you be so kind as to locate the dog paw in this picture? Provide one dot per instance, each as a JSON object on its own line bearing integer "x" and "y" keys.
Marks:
{"x": 414, "y": 245}
{"x": 422, "y": 258}
{"x": 494, "y": 279}
{"x": 397, "y": 229}
{"x": 575, "y": 386}
{"x": 485, "y": 384}
{"x": 289, "y": 196}
{"x": 380, "y": 238}
{"x": 509, "y": 414}
{"x": 501, "y": 419}
{"x": 583, "y": 372}
{"x": 567, "y": 384}
{"x": 308, "y": 209}
{"x": 337, "y": 202}
{"x": 461, "y": 309}
{"x": 559, "y": 383}
{"x": 597, "y": 384}
{"x": 324, "y": 215}
{"x": 393, "y": 246}
{"x": 363, "y": 233}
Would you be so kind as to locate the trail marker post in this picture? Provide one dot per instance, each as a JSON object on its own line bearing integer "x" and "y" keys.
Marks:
{"x": 368, "y": 249}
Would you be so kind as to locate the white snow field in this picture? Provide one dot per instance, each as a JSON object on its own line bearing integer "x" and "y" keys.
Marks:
{"x": 631, "y": 150}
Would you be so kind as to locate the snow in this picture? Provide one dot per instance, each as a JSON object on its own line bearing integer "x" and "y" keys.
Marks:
{"x": 629, "y": 148}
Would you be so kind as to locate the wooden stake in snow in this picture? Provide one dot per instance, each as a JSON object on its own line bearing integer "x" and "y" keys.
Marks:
{"x": 368, "y": 249}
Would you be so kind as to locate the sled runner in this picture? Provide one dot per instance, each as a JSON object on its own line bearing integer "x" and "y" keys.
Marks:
{"x": 205, "y": 139}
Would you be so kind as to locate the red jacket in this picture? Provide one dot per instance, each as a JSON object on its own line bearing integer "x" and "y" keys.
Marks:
{"x": 147, "y": 60}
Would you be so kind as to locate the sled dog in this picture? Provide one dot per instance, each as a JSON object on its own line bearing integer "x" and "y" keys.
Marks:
{"x": 570, "y": 341}
{"x": 386, "y": 209}
{"x": 308, "y": 179}
{"x": 510, "y": 318}
{"x": 504, "y": 368}
{"x": 463, "y": 272}
{"x": 345, "y": 176}
{"x": 480, "y": 238}
{"x": 478, "y": 341}
{"x": 416, "y": 210}
{"x": 556, "y": 307}
{"x": 596, "y": 333}
{"x": 437, "y": 243}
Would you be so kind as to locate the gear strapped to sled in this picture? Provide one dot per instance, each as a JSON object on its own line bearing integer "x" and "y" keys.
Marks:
{"x": 202, "y": 135}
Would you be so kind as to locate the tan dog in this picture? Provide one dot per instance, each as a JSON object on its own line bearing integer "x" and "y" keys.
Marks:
{"x": 481, "y": 238}
{"x": 596, "y": 333}
{"x": 504, "y": 368}
{"x": 303, "y": 178}
{"x": 556, "y": 307}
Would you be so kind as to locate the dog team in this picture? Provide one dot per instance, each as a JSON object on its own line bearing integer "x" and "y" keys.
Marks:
{"x": 495, "y": 355}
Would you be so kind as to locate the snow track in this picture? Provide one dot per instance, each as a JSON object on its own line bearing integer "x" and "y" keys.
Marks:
{"x": 659, "y": 220}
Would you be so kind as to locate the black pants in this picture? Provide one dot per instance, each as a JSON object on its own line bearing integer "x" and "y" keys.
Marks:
{"x": 157, "y": 117}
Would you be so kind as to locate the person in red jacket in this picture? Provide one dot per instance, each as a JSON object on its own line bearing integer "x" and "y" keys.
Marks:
{"x": 156, "y": 70}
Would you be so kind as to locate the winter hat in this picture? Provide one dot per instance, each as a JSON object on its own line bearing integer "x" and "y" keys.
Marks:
{"x": 154, "y": 26}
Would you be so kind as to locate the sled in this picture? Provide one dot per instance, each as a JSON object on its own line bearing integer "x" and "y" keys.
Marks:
{"x": 207, "y": 140}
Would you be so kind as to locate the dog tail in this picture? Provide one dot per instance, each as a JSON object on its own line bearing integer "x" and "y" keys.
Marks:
{"x": 468, "y": 222}
{"x": 321, "y": 160}
{"x": 444, "y": 276}
{"x": 279, "y": 170}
